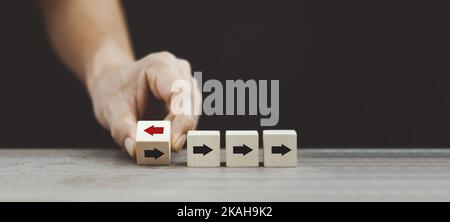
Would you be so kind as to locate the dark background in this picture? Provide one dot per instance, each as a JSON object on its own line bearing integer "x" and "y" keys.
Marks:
{"x": 352, "y": 73}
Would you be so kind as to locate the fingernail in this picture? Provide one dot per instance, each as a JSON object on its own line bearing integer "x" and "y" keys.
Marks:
{"x": 129, "y": 144}
{"x": 180, "y": 142}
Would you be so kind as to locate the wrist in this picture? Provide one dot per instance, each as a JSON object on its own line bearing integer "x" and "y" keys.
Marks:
{"x": 107, "y": 59}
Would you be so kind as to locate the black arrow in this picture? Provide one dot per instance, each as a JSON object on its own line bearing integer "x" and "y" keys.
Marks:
{"x": 202, "y": 149}
{"x": 244, "y": 149}
{"x": 153, "y": 153}
{"x": 280, "y": 149}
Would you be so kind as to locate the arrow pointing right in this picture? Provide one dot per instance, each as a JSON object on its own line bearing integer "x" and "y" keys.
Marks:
{"x": 244, "y": 149}
{"x": 280, "y": 149}
{"x": 202, "y": 149}
{"x": 153, "y": 153}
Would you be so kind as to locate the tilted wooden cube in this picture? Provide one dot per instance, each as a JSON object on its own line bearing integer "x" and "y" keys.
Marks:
{"x": 153, "y": 143}
{"x": 280, "y": 148}
{"x": 203, "y": 148}
{"x": 242, "y": 148}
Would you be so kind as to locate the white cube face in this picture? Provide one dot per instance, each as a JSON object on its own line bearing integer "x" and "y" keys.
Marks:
{"x": 280, "y": 148}
{"x": 153, "y": 143}
{"x": 203, "y": 148}
{"x": 151, "y": 131}
{"x": 242, "y": 148}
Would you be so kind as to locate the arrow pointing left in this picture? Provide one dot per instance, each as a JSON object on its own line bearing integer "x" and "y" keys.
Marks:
{"x": 153, "y": 153}
{"x": 154, "y": 130}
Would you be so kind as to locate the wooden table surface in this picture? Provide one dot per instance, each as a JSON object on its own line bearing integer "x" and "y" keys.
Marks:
{"x": 322, "y": 175}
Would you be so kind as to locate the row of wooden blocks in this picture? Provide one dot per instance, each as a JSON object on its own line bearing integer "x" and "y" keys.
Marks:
{"x": 203, "y": 147}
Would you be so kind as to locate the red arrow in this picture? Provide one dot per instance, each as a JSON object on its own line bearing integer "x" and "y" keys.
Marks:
{"x": 154, "y": 130}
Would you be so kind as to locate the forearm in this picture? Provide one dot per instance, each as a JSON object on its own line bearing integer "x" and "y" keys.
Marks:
{"x": 90, "y": 36}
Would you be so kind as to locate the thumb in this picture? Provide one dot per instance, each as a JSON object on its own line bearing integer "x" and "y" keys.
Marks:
{"x": 123, "y": 131}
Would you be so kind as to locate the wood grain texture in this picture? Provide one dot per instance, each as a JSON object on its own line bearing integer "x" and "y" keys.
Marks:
{"x": 322, "y": 175}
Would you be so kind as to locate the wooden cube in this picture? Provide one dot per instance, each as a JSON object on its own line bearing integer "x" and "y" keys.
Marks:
{"x": 203, "y": 148}
{"x": 153, "y": 143}
{"x": 242, "y": 149}
{"x": 280, "y": 148}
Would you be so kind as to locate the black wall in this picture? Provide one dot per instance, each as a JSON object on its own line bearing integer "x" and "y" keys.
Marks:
{"x": 352, "y": 73}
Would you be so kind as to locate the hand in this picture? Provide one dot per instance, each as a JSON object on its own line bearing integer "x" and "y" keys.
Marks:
{"x": 120, "y": 96}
